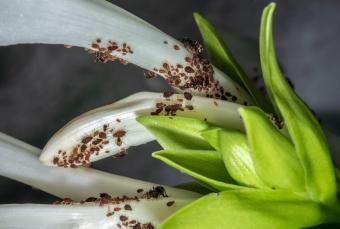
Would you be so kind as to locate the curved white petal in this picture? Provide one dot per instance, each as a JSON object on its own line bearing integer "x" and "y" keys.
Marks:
{"x": 88, "y": 216}
{"x": 19, "y": 161}
{"x": 77, "y": 143}
{"x": 84, "y": 23}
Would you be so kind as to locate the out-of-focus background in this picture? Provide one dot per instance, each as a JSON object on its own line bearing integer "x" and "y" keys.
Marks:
{"x": 43, "y": 87}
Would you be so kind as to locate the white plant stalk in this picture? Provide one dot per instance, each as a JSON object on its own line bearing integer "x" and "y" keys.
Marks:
{"x": 145, "y": 212}
{"x": 19, "y": 161}
{"x": 115, "y": 33}
{"x": 121, "y": 130}
{"x": 111, "y": 129}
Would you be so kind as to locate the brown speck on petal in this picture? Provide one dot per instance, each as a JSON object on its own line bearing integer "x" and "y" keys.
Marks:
{"x": 91, "y": 199}
{"x": 148, "y": 226}
{"x": 120, "y": 154}
{"x": 132, "y": 221}
{"x": 123, "y": 218}
{"x": 167, "y": 94}
{"x": 105, "y": 195}
{"x": 97, "y": 141}
{"x": 176, "y": 47}
{"x": 102, "y": 135}
{"x": 119, "y": 133}
{"x": 104, "y": 52}
{"x": 137, "y": 226}
{"x": 86, "y": 140}
{"x": 189, "y": 107}
{"x": 170, "y": 203}
{"x": 189, "y": 69}
{"x": 55, "y": 160}
{"x": 110, "y": 214}
{"x": 187, "y": 95}
{"x": 149, "y": 74}
{"x": 227, "y": 94}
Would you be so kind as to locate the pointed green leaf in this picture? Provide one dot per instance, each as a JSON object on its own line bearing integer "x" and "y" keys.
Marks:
{"x": 194, "y": 187}
{"x": 304, "y": 129}
{"x": 223, "y": 59}
{"x": 240, "y": 209}
{"x": 176, "y": 132}
{"x": 235, "y": 152}
{"x": 205, "y": 166}
{"x": 273, "y": 153}
{"x": 263, "y": 57}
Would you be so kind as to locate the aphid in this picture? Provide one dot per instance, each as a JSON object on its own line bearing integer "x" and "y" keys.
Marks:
{"x": 170, "y": 203}
{"x": 156, "y": 192}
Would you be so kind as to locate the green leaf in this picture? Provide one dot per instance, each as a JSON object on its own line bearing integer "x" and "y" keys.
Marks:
{"x": 205, "y": 166}
{"x": 272, "y": 152}
{"x": 176, "y": 132}
{"x": 247, "y": 209}
{"x": 194, "y": 187}
{"x": 223, "y": 59}
{"x": 235, "y": 152}
{"x": 305, "y": 131}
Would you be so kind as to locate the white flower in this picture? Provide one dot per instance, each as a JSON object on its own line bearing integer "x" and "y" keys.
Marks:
{"x": 19, "y": 161}
{"x": 112, "y": 33}
{"x": 100, "y": 26}
{"x": 76, "y": 143}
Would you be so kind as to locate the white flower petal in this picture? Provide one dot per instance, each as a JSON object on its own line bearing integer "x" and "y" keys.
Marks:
{"x": 80, "y": 141}
{"x": 83, "y": 22}
{"x": 19, "y": 161}
{"x": 88, "y": 216}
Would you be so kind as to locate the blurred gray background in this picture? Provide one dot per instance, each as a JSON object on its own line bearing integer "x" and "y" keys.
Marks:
{"x": 43, "y": 87}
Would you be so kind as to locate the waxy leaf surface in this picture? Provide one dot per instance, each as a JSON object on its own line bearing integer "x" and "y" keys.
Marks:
{"x": 272, "y": 152}
{"x": 205, "y": 166}
{"x": 256, "y": 209}
{"x": 176, "y": 132}
{"x": 236, "y": 155}
{"x": 305, "y": 131}
{"x": 222, "y": 58}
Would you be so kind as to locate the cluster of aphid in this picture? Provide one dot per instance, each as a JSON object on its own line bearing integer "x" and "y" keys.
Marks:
{"x": 119, "y": 205}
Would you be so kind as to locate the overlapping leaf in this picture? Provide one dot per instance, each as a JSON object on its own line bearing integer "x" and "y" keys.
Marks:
{"x": 205, "y": 166}
{"x": 247, "y": 209}
{"x": 177, "y": 132}
{"x": 222, "y": 58}
{"x": 273, "y": 153}
{"x": 236, "y": 155}
{"x": 304, "y": 129}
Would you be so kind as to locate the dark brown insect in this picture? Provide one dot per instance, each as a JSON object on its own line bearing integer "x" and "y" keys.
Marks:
{"x": 156, "y": 192}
